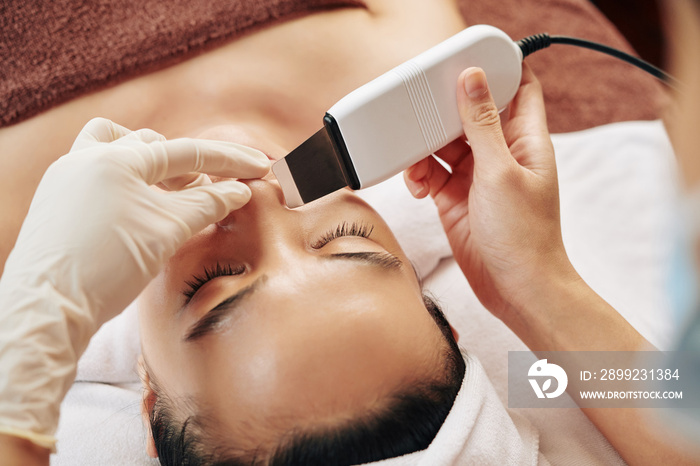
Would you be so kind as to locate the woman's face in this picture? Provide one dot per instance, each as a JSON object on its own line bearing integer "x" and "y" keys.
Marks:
{"x": 318, "y": 313}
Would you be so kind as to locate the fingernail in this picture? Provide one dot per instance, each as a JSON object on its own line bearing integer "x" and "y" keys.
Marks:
{"x": 264, "y": 161}
{"x": 258, "y": 155}
{"x": 413, "y": 186}
{"x": 475, "y": 83}
{"x": 417, "y": 188}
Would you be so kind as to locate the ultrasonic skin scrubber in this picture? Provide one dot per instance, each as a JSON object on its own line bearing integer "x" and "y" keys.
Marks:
{"x": 410, "y": 112}
{"x": 399, "y": 118}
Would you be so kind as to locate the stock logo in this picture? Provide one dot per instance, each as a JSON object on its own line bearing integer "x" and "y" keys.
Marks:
{"x": 547, "y": 371}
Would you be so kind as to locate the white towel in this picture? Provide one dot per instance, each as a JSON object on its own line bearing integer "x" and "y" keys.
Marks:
{"x": 617, "y": 191}
{"x": 112, "y": 353}
{"x": 478, "y": 430}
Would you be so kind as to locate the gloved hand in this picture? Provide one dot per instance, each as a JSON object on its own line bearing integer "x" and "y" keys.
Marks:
{"x": 500, "y": 205}
{"x": 96, "y": 233}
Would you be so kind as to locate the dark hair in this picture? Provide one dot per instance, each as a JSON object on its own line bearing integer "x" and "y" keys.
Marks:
{"x": 409, "y": 422}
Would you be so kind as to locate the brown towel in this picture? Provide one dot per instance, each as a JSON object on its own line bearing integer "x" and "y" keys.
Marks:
{"x": 582, "y": 88}
{"x": 53, "y": 51}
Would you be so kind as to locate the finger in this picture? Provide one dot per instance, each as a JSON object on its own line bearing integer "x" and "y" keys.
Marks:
{"x": 505, "y": 117}
{"x": 528, "y": 125}
{"x": 168, "y": 159}
{"x": 454, "y": 151}
{"x": 434, "y": 179}
{"x": 481, "y": 121}
{"x": 98, "y": 130}
{"x": 529, "y": 101}
{"x": 438, "y": 176}
{"x": 144, "y": 135}
{"x": 418, "y": 188}
{"x": 186, "y": 181}
{"x": 203, "y": 205}
{"x": 418, "y": 170}
{"x": 414, "y": 177}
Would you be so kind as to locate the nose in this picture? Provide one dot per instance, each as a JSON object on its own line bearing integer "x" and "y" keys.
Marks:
{"x": 266, "y": 194}
{"x": 266, "y": 204}
{"x": 267, "y": 228}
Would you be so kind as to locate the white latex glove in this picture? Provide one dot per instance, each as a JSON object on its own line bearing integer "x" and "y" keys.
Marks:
{"x": 96, "y": 233}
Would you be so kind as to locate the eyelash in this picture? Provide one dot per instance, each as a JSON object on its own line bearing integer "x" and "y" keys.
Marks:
{"x": 344, "y": 229}
{"x": 218, "y": 270}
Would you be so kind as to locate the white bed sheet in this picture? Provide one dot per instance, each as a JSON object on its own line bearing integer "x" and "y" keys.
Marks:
{"x": 617, "y": 197}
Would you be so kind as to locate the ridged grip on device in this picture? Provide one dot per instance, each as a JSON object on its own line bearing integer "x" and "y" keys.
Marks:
{"x": 423, "y": 104}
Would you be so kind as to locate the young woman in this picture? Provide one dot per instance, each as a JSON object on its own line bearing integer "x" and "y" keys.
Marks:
{"x": 499, "y": 208}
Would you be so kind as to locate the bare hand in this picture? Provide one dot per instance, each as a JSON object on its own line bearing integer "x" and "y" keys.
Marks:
{"x": 500, "y": 205}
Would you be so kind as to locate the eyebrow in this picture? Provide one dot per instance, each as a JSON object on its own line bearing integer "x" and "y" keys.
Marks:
{"x": 383, "y": 260}
{"x": 210, "y": 322}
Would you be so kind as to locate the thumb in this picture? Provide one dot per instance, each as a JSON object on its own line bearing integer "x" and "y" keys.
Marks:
{"x": 481, "y": 120}
{"x": 201, "y": 206}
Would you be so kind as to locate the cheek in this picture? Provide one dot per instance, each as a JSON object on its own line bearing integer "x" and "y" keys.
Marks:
{"x": 156, "y": 321}
{"x": 161, "y": 344}
{"x": 151, "y": 303}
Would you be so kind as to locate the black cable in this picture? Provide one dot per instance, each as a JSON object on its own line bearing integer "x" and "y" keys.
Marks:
{"x": 532, "y": 44}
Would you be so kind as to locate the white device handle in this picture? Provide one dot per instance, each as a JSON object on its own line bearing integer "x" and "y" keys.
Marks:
{"x": 411, "y": 111}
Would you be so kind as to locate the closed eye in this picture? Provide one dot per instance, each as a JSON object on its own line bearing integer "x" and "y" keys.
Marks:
{"x": 221, "y": 270}
{"x": 218, "y": 270}
{"x": 344, "y": 229}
